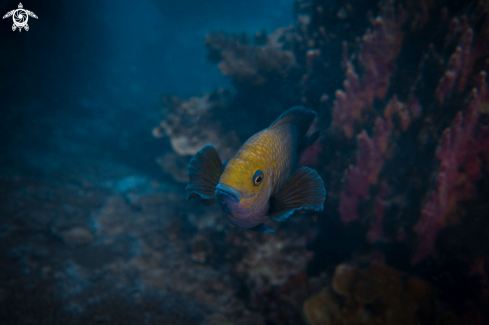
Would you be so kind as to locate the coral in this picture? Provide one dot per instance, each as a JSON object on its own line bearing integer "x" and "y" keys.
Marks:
{"x": 321, "y": 309}
{"x": 483, "y": 142}
{"x": 470, "y": 49}
{"x": 191, "y": 124}
{"x": 420, "y": 11}
{"x": 457, "y": 67}
{"x": 349, "y": 104}
{"x": 370, "y": 160}
{"x": 376, "y": 295}
{"x": 359, "y": 177}
{"x": 379, "y": 50}
{"x": 250, "y": 64}
{"x": 397, "y": 151}
{"x": 459, "y": 155}
{"x": 459, "y": 170}
{"x": 374, "y": 233}
{"x": 266, "y": 265}
{"x": 310, "y": 156}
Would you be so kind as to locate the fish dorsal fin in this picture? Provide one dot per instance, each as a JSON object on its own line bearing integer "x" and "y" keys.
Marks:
{"x": 303, "y": 191}
{"x": 298, "y": 116}
{"x": 204, "y": 172}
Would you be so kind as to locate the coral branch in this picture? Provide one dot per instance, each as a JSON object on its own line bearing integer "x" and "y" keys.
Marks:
{"x": 370, "y": 160}
{"x": 379, "y": 51}
{"x": 459, "y": 66}
{"x": 349, "y": 104}
{"x": 190, "y": 124}
{"x": 459, "y": 169}
{"x": 375, "y": 232}
{"x": 246, "y": 62}
{"x": 310, "y": 156}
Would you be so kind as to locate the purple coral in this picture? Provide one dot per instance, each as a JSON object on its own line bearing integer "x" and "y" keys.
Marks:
{"x": 358, "y": 178}
{"x": 459, "y": 169}
{"x": 459, "y": 65}
{"x": 379, "y": 50}
{"x": 375, "y": 232}
{"x": 370, "y": 160}
{"x": 349, "y": 103}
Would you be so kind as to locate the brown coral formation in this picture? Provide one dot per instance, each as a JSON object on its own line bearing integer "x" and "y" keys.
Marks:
{"x": 250, "y": 63}
{"x": 191, "y": 124}
{"x": 378, "y": 294}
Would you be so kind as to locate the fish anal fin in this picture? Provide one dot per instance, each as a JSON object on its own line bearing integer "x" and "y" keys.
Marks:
{"x": 262, "y": 228}
{"x": 204, "y": 171}
{"x": 205, "y": 202}
{"x": 280, "y": 215}
{"x": 303, "y": 191}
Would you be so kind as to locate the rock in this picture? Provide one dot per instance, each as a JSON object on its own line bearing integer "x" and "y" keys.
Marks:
{"x": 78, "y": 236}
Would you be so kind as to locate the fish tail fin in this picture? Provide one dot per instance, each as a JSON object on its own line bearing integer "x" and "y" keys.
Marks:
{"x": 204, "y": 172}
{"x": 298, "y": 116}
{"x": 303, "y": 191}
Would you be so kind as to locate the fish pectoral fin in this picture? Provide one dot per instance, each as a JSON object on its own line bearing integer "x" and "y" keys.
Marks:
{"x": 204, "y": 172}
{"x": 262, "y": 228}
{"x": 224, "y": 165}
{"x": 303, "y": 191}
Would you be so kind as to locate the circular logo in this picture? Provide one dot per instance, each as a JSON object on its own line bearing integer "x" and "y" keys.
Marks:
{"x": 20, "y": 17}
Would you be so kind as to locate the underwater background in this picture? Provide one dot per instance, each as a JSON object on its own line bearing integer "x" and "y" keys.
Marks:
{"x": 103, "y": 104}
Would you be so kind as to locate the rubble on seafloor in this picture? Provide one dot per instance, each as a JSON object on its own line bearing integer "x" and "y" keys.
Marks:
{"x": 401, "y": 93}
{"x": 128, "y": 250}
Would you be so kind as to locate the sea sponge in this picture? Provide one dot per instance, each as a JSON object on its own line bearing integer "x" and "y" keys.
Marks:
{"x": 377, "y": 294}
{"x": 321, "y": 309}
{"x": 344, "y": 275}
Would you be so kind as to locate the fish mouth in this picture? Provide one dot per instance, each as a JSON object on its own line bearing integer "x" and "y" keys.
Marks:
{"x": 227, "y": 191}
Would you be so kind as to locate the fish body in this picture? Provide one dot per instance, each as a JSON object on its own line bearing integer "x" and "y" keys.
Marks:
{"x": 273, "y": 151}
{"x": 261, "y": 181}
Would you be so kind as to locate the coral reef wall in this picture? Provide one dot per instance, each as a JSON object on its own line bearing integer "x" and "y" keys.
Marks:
{"x": 400, "y": 88}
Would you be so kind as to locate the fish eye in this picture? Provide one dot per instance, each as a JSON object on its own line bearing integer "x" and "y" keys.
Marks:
{"x": 258, "y": 177}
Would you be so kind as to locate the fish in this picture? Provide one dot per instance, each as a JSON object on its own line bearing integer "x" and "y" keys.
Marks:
{"x": 263, "y": 180}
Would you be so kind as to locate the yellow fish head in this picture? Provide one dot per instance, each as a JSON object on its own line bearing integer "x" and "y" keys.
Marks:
{"x": 243, "y": 192}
